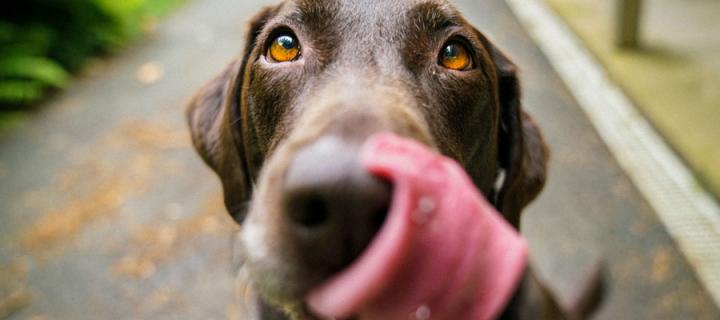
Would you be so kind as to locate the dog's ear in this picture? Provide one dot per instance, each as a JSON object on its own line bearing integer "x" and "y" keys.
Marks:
{"x": 213, "y": 116}
{"x": 522, "y": 152}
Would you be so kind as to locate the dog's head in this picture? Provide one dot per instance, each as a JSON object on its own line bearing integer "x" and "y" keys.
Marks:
{"x": 283, "y": 125}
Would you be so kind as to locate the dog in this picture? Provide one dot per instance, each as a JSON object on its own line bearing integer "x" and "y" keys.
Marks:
{"x": 315, "y": 72}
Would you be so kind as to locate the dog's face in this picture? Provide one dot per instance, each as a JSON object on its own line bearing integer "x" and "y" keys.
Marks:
{"x": 283, "y": 125}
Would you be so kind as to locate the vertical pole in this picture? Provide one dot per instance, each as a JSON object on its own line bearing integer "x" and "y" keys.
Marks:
{"x": 628, "y": 26}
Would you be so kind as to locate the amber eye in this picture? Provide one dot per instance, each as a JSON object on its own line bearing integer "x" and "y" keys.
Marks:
{"x": 455, "y": 56}
{"x": 284, "y": 48}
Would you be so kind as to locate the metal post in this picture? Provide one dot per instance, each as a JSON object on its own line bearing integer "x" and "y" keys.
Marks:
{"x": 628, "y": 23}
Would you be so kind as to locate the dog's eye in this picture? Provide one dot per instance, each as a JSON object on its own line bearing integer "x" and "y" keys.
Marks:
{"x": 284, "y": 48}
{"x": 455, "y": 56}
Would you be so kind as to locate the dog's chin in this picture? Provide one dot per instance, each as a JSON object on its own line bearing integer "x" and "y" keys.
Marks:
{"x": 275, "y": 277}
{"x": 282, "y": 286}
{"x": 284, "y": 289}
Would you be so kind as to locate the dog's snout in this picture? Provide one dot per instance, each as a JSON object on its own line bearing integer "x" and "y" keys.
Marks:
{"x": 333, "y": 205}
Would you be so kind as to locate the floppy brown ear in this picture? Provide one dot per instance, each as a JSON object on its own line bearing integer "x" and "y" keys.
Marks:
{"x": 523, "y": 153}
{"x": 215, "y": 125}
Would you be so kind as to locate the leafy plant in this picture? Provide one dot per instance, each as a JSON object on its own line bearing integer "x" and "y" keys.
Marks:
{"x": 43, "y": 41}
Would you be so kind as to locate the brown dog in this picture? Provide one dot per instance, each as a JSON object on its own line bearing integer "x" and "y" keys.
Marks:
{"x": 282, "y": 127}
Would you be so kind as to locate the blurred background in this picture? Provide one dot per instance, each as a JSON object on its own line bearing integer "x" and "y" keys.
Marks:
{"x": 663, "y": 53}
{"x": 106, "y": 212}
{"x": 44, "y": 42}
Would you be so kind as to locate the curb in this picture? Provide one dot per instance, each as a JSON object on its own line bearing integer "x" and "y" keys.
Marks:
{"x": 689, "y": 213}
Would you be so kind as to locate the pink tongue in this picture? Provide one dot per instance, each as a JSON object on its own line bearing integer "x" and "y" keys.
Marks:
{"x": 443, "y": 253}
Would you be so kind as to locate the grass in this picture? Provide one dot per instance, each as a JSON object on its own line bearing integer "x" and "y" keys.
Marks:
{"x": 672, "y": 79}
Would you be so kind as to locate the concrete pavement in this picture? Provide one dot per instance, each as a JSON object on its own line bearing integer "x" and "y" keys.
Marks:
{"x": 107, "y": 213}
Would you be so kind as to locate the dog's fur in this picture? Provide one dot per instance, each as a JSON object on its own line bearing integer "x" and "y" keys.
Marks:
{"x": 367, "y": 66}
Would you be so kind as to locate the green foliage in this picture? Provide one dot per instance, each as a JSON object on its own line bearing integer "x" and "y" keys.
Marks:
{"x": 40, "y": 69}
{"x": 43, "y": 41}
{"x": 20, "y": 91}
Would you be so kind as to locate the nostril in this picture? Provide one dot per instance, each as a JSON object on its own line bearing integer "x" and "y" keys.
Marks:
{"x": 333, "y": 207}
{"x": 378, "y": 218}
{"x": 311, "y": 213}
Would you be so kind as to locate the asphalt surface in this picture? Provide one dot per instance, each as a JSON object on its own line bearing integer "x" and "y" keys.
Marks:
{"x": 106, "y": 212}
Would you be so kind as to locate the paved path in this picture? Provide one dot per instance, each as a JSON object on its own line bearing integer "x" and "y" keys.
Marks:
{"x": 107, "y": 213}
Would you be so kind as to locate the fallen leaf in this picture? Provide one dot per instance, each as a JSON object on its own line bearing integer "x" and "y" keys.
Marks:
{"x": 150, "y": 73}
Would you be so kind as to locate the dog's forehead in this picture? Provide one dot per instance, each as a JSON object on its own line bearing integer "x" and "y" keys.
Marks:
{"x": 314, "y": 5}
{"x": 421, "y": 13}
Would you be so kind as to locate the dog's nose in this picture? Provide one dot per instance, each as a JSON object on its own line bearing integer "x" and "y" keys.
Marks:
{"x": 334, "y": 206}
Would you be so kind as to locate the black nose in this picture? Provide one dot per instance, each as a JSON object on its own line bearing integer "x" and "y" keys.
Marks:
{"x": 334, "y": 206}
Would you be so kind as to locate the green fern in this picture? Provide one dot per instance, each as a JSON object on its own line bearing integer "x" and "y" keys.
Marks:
{"x": 34, "y": 40}
{"x": 39, "y": 69}
{"x": 19, "y": 92}
{"x": 43, "y": 41}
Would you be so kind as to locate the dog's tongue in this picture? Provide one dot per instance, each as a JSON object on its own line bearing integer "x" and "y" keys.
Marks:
{"x": 443, "y": 252}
